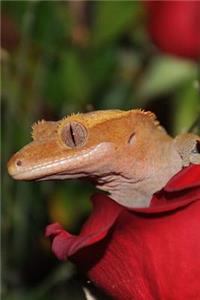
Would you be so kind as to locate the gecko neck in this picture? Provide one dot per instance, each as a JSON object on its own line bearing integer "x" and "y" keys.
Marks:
{"x": 134, "y": 190}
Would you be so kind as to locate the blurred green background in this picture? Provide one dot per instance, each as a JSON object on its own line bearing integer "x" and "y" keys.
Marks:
{"x": 64, "y": 57}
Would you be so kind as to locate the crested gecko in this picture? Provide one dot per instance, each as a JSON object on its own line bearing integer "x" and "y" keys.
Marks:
{"x": 125, "y": 153}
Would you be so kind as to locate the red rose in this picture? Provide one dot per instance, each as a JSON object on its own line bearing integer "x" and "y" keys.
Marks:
{"x": 175, "y": 26}
{"x": 148, "y": 253}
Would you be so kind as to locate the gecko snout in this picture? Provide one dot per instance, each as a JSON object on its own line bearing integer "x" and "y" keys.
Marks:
{"x": 14, "y": 166}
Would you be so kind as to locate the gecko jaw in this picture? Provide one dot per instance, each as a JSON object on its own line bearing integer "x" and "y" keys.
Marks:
{"x": 63, "y": 167}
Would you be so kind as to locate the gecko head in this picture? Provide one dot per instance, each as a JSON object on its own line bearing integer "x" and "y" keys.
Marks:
{"x": 85, "y": 145}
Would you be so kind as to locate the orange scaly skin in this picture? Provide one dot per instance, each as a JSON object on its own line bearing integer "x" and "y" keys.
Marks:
{"x": 126, "y": 153}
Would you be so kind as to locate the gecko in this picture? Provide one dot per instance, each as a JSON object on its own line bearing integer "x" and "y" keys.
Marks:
{"x": 127, "y": 154}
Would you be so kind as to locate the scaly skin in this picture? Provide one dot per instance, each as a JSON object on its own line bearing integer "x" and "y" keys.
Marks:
{"x": 126, "y": 153}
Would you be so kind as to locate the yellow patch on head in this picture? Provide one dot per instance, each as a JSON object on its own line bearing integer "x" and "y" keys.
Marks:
{"x": 45, "y": 129}
{"x": 36, "y": 128}
{"x": 151, "y": 116}
{"x": 92, "y": 118}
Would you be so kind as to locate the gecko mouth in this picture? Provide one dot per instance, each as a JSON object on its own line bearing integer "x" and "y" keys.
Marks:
{"x": 75, "y": 166}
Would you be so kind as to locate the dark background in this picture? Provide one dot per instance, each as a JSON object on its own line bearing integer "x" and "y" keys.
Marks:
{"x": 64, "y": 57}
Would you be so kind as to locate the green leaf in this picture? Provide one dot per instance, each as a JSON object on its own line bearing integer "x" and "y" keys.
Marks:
{"x": 163, "y": 75}
{"x": 186, "y": 107}
{"x": 15, "y": 9}
{"x": 116, "y": 97}
{"x": 101, "y": 66}
{"x": 111, "y": 19}
{"x": 74, "y": 78}
{"x": 49, "y": 28}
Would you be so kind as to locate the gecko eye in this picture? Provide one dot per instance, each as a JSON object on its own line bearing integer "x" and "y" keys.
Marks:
{"x": 197, "y": 147}
{"x": 74, "y": 134}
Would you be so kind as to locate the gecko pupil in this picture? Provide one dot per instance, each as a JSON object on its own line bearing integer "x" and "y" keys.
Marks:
{"x": 74, "y": 134}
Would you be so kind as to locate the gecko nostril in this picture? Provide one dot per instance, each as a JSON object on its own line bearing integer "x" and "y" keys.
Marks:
{"x": 19, "y": 163}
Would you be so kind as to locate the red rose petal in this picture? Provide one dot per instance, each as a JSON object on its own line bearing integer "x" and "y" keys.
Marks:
{"x": 105, "y": 212}
{"x": 187, "y": 178}
{"x": 150, "y": 253}
{"x": 163, "y": 202}
{"x": 149, "y": 257}
{"x": 174, "y": 26}
{"x": 177, "y": 193}
{"x": 53, "y": 229}
{"x": 103, "y": 215}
